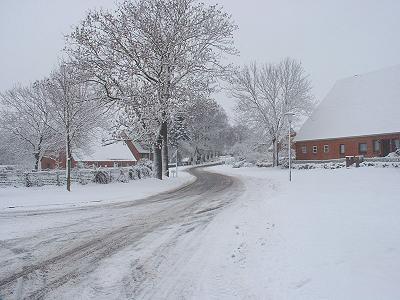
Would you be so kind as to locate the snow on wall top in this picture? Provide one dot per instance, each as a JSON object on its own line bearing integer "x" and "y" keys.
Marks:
{"x": 364, "y": 104}
{"x": 104, "y": 148}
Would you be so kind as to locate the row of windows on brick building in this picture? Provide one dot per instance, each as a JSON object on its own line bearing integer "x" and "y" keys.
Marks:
{"x": 362, "y": 147}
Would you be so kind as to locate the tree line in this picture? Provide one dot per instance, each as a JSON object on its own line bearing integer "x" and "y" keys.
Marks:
{"x": 149, "y": 68}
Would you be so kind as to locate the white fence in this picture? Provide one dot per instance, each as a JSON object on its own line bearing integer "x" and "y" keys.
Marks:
{"x": 13, "y": 177}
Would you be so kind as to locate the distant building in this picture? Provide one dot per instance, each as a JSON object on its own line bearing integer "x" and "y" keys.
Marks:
{"x": 102, "y": 153}
{"x": 359, "y": 116}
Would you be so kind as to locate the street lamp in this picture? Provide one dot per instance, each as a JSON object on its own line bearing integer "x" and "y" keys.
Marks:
{"x": 290, "y": 116}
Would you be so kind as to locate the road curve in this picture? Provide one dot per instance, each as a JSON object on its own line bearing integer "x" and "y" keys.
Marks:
{"x": 75, "y": 241}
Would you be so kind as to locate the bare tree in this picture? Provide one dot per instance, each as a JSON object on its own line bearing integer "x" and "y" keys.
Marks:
{"x": 264, "y": 95}
{"x": 75, "y": 110}
{"x": 26, "y": 118}
{"x": 161, "y": 42}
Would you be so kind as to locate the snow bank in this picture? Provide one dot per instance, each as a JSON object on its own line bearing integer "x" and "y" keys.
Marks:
{"x": 45, "y": 197}
{"x": 330, "y": 234}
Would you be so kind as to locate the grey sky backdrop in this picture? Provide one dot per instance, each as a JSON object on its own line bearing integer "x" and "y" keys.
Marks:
{"x": 333, "y": 39}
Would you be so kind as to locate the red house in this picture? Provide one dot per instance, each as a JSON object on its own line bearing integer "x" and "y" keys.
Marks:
{"x": 102, "y": 153}
{"x": 359, "y": 116}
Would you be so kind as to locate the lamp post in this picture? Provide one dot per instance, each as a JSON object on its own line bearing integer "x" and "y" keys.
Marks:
{"x": 290, "y": 116}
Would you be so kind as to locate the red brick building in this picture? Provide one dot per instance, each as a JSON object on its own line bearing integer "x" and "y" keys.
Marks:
{"x": 359, "y": 116}
{"x": 102, "y": 154}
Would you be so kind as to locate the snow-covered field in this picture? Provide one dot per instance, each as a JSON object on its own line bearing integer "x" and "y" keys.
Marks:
{"x": 47, "y": 197}
{"x": 330, "y": 234}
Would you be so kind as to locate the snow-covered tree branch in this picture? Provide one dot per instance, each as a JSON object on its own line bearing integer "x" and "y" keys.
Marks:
{"x": 75, "y": 110}
{"x": 26, "y": 119}
{"x": 162, "y": 43}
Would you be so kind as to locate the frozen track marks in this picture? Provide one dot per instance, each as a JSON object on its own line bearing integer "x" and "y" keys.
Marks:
{"x": 58, "y": 250}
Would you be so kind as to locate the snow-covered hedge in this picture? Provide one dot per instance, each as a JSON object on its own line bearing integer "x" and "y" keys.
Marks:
{"x": 380, "y": 164}
{"x": 264, "y": 164}
{"x": 227, "y": 160}
{"x": 328, "y": 161}
{"x": 242, "y": 164}
{"x": 81, "y": 176}
{"x": 331, "y": 165}
{"x": 382, "y": 159}
{"x": 390, "y": 161}
{"x": 315, "y": 164}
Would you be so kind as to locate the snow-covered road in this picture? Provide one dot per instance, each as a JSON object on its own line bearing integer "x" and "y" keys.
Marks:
{"x": 76, "y": 243}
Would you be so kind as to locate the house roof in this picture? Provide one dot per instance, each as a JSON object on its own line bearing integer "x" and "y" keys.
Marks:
{"x": 104, "y": 149}
{"x": 360, "y": 105}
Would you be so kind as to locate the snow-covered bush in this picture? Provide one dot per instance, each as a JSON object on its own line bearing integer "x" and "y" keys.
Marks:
{"x": 238, "y": 164}
{"x": 140, "y": 171}
{"x": 101, "y": 177}
{"x": 380, "y": 164}
{"x": 395, "y": 154}
{"x": 122, "y": 177}
{"x": 390, "y": 161}
{"x": 133, "y": 174}
{"x": 242, "y": 164}
{"x": 227, "y": 160}
{"x": 145, "y": 162}
{"x": 264, "y": 164}
{"x": 309, "y": 166}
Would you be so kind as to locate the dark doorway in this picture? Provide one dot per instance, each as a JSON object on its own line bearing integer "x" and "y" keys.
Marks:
{"x": 385, "y": 147}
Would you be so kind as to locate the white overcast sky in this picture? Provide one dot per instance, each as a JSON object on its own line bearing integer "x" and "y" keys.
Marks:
{"x": 333, "y": 39}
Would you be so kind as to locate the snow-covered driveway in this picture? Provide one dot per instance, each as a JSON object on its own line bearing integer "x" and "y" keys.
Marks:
{"x": 109, "y": 250}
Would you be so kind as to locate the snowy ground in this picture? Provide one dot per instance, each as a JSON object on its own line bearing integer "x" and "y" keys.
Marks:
{"x": 330, "y": 234}
{"x": 47, "y": 197}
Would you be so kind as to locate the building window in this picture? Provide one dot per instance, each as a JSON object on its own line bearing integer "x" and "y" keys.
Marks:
{"x": 377, "y": 145}
{"x": 362, "y": 148}
{"x": 304, "y": 149}
{"x": 342, "y": 149}
{"x": 314, "y": 149}
{"x": 326, "y": 148}
{"x": 115, "y": 165}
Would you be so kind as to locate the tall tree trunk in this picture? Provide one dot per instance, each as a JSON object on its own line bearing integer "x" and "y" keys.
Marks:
{"x": 157, "y": 163}
{"x": 274, "y": 153}
{"x": 68, "y": 162}
{"x": 165, "y": 159}
{"x": 277, "y": 157}
{"x": 37, "y": 155}
{"x": 37, "y": 161}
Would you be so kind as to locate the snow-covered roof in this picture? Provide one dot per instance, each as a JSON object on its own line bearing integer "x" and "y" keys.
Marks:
{"x": 361, "y": 105}
{"x": 105, "y": 149}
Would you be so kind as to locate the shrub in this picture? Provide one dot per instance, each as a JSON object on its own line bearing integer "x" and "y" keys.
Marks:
{"x": 101, "y": 177}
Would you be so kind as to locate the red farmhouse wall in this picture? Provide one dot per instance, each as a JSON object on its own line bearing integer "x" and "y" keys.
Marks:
{"x": 351, "y": 145}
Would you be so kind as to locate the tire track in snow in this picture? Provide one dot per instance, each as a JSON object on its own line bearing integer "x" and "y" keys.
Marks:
{"x": 74, "y": 260}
